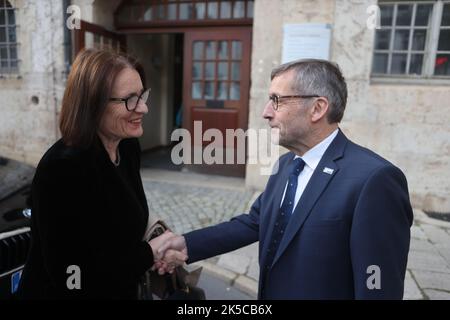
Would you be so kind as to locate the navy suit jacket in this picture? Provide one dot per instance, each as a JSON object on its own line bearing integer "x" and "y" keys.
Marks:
{"x": 345, "y": 222}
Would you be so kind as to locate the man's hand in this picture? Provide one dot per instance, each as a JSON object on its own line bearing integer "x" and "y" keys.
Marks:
{"x": 169, "y": 251}
{"x": 173, "y": 248}
{"x": 174, "y": 242}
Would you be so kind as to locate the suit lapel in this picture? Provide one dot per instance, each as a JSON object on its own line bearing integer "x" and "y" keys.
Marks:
{"x": 316, "y": 186}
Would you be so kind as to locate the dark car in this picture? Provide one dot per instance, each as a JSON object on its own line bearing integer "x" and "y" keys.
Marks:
{"x": 15, "y": 213}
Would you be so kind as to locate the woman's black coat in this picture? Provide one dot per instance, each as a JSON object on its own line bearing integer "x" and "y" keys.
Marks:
{"x": 88, "y": 213}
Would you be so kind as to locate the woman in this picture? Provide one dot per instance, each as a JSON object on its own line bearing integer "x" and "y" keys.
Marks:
{"x": 89, "y": 211}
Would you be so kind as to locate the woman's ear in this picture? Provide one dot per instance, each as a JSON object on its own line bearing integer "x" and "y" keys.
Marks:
{"x": 319, "y": 109}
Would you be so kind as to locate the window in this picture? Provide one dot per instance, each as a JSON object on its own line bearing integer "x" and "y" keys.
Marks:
{"x": 99, "y": 41}
{"x": 183, "y": 11}
{"x": 216, "y": 70}
{"x": 8, "y": 41}
{"x": 94, "y": 36}
{"x": 442, "y": 65}
{"x": 414, "y": 40}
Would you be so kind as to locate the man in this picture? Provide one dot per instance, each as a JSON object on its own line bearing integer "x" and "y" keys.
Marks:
{"x": 334, "y": 221}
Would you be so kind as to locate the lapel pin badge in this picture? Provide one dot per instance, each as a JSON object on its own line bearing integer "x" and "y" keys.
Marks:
{"x": 328, "y": 170}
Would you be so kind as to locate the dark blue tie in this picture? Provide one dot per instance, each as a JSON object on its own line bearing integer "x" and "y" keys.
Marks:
{"x": 286, "y": 209}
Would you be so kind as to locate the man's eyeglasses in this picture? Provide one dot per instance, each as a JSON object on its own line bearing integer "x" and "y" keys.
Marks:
{"x": 131, "y": 102}
{"x": 274, "y": 99}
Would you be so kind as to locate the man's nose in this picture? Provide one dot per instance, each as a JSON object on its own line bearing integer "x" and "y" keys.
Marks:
{"x": 268, "y": 111}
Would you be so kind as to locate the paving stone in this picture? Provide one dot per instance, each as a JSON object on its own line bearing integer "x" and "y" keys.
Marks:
{"x": 211, "y": 268}
{"x": 432, "y": 280}
{"x": 437, "y": 235}
{"x": 421, "y": 245}
{"x": 248, "y": 285}
{"x": 253, "y": 270}
{"x": 234, "y": 262}
{"x": 411, "y": 290}
{"x": 437, "y": 294}
{"x": 429, "y": 261}
{"x": 417, "y": 233}
{"x": 444, "y": 252}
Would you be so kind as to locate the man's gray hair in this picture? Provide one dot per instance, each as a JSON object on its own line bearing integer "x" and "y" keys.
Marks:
{"x": 321, "y": 77}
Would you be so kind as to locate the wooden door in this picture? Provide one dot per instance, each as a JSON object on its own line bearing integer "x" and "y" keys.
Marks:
{"x": 95, "y": 36}
{"x": 216, "y": 88}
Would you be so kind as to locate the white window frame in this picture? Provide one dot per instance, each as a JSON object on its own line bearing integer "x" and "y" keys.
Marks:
{"x": 430, "y": 51}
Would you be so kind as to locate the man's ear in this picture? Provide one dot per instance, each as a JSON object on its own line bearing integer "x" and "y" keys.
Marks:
{"x": 319, "y": 109}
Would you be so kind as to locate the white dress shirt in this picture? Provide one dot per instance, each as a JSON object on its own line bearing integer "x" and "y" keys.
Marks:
{"x": 311, "y": 158}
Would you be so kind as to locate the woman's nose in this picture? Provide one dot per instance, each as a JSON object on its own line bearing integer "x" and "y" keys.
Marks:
{"x": 141, "y": 107}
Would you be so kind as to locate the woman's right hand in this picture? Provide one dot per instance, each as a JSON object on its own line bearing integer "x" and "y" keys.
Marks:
{"x": 171, "y": 260}
{"x": 157, "y": 242}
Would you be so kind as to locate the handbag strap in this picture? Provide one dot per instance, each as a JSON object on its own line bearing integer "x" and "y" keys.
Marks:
{"x": 153, "y": 224}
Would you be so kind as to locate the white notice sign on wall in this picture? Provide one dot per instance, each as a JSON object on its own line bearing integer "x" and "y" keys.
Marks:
{"x": 306, "y": 40}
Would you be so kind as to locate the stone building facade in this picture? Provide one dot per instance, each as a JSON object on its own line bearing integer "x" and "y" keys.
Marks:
{"x": 404, "y": 119}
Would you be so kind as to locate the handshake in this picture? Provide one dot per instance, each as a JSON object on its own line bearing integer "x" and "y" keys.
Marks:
{"x": 169, "y": 252}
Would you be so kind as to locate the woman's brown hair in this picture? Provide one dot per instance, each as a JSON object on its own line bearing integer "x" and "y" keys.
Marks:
{"x": 87, "y": 93}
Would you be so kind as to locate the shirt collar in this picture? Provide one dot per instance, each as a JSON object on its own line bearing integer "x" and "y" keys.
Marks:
{"x": 313, "y": 156}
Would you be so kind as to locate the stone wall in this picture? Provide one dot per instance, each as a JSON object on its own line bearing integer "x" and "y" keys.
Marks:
{"x": 30, "y": 98}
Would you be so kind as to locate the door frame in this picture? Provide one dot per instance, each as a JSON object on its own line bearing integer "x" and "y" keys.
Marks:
{"x": 79, "y": 36}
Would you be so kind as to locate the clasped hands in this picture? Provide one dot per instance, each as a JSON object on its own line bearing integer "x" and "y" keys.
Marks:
{"x": 169, "y": 252}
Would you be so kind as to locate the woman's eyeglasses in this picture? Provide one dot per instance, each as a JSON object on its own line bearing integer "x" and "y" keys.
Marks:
{"x": 132, "y": 102}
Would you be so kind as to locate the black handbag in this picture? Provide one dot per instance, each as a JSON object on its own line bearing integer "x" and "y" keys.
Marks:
{"x": 180, "y": 285}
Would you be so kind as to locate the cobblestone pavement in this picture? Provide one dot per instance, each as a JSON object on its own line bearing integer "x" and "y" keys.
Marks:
{"x": 188, "y": 201}
{"x": 428, "y": 275}
{"x": 188, "y": 208}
